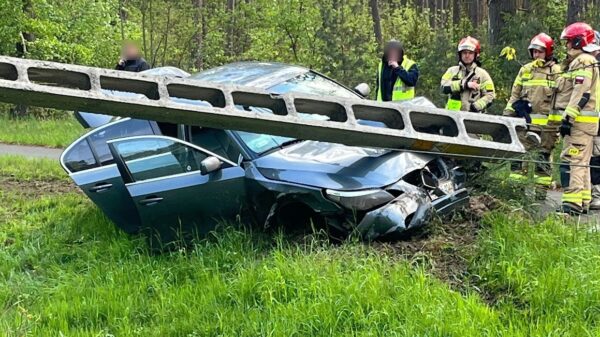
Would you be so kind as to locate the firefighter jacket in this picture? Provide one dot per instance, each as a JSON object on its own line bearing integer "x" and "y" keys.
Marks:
{"x": 536, "y": 83}
{"x": 462, "y": 98}
{"x": 578, "y": 88}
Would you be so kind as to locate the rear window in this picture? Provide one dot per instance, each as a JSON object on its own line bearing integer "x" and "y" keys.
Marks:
{"x": 80, "y": 157}
{"x": 129, "y": 128}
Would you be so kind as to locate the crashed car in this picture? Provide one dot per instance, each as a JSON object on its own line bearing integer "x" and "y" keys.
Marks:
{"x": 174, "y": 178}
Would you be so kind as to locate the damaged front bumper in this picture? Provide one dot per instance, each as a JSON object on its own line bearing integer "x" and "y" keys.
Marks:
{"x": 411, "y": 209}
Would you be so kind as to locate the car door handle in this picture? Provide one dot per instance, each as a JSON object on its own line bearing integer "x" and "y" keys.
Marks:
{"x": 151, "y": 201}
{"x": 101, "y": 187}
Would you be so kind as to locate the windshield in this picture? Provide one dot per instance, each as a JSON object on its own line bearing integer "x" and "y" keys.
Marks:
{"x": 308, "y": 83}
{"x": 313, "y": 84}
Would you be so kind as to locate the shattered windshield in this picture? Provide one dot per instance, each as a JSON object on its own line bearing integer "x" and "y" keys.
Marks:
{"x": 308, "y": 83}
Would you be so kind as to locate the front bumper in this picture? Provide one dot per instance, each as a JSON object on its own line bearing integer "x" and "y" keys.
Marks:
{"x": 410, "y": 210}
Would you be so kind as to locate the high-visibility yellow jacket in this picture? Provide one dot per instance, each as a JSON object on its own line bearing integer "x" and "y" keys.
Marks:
{"x": 460, "y": 98}
{"x": 401, "y": 91}
{"x": 578, "y": 88}
{"x": 535, "y": 83}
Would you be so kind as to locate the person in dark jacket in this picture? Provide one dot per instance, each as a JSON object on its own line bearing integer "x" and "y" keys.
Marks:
{"x": 397, "y": 75}
{"x": 131, "y": 59}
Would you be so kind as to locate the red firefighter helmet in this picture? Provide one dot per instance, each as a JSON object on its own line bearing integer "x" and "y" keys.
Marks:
{"x": 470, "y": 43}
{"x": 579, "y": 33}
{"x": 542, "y": 42}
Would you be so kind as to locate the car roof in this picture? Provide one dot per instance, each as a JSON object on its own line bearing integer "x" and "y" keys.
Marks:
{"x": 252, "y": 73}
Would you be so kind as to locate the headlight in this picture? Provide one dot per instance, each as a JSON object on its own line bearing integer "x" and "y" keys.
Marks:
{"x": 360, "y": 200}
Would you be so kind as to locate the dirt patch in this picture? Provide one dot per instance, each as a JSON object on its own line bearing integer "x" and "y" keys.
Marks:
{"x": 34, "y": 188}
{"x": 444, "y": 248}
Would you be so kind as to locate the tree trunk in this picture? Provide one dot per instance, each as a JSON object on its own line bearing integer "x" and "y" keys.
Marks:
{"x": 122, "y": 18}
{"x": 376, "y": 21}
{"x": 230, "y": 48}
{"x": 455, "y": 11}
{"x": 26, "y": 37}
{"x": 473, "y": 12}
{"x": 198, "y": 35}
{"x": 574, "y": 11}
{"x": 21, "y": 110}
{"x": 497, "y": 11}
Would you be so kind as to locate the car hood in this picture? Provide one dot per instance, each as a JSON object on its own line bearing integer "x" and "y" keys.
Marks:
{"x": 340, "y": 167}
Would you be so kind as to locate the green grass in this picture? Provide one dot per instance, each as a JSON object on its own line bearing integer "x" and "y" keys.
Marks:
{"x": 23, "y": 168}
{"x": 65, "y": 269}
{"x": 546, "y": 272}
{"x": 31, "y": 131}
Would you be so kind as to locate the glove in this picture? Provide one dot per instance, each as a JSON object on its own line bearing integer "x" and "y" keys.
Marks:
{"x": 523, "y": 109}
{"x": 565, "y": 128}
{"x": 472, "y": 108}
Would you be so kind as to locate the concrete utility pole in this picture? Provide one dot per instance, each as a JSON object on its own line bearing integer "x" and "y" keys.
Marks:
{"x": 408, "y": 127}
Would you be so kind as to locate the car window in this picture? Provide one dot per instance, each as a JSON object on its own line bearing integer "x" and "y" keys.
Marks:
{"x": 216, "y": 141}
{"x": 128, "y": 128}
{"x": 259, "y": 143}
{"x": 313, "y": 84}
{"x": 79, "y": 157}
{"x": 150, "y": 158}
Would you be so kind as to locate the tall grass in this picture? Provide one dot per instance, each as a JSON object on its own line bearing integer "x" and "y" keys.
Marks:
{"x": 544, "y": 276}
{"x": 66, "y": 270}
{"x": 23, "y": 168}
{"x": 43, "y": 132}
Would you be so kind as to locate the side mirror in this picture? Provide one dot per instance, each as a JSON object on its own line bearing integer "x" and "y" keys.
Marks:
{"x": 210, "y": 164}
{"x": 362, "y": 89}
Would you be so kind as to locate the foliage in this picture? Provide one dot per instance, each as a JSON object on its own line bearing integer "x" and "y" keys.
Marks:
{"x": 331, "y": 36}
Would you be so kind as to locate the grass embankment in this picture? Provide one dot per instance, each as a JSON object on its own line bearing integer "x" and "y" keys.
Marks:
{"x": 65, "y": 269}
{"x": 43, "y": 132}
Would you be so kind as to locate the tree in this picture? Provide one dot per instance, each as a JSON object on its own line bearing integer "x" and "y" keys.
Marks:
{"x": 574, "y": 11}
{"x": 497, "y": 11}
{"x": 198, "y": 39}
{"x": 455, "y": 11}
{"x": 376, "y": 21}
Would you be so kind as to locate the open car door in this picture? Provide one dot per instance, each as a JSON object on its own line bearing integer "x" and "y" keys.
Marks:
{"x": 177, "y": 187}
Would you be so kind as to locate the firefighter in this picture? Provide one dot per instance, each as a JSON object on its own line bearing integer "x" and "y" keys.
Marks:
{"x": 594, "y": 49}
{"x": 531, "y": 98}
{"x": 397, "y": 75}
{"x": 469, "y": 87}
{"x": 576, "y": 96}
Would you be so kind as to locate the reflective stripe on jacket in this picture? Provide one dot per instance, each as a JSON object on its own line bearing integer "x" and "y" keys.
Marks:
{"x": 461, "y": 99}
{"x": 534, "y": 83}
{"x": 578, "y": 89}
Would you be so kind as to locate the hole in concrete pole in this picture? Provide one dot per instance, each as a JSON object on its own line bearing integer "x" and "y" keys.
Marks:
{"x": 318, "y": 110}
{"x": 259, "y": 103}
{"x": 482, "y": 130}
{"x": 8, "y": 72}
{"x": 434, "y": 124}
{"x": 146, "y": 88}
{"x": 189, "y": 94}
{"x": 378, "y": 117}
{"x": 59, "y": 78}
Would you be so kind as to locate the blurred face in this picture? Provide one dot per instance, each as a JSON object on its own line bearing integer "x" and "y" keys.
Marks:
{"x": 393, "y": 55}
{"x": 130, "y": 51}
{"x": 467, "y": 57}
{"x": 539, "y": 55}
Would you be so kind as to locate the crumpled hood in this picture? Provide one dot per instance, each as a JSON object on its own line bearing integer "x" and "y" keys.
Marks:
{"x": 340, "y": 167}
